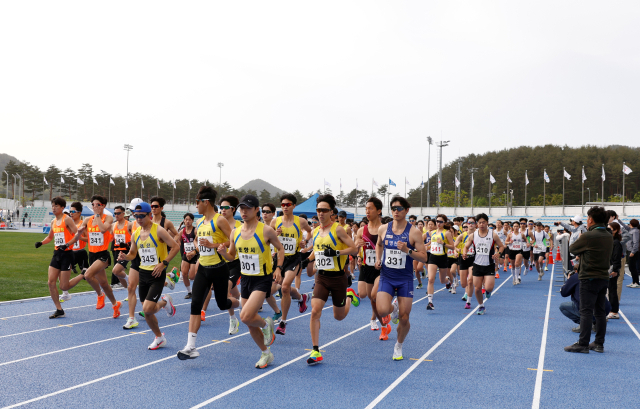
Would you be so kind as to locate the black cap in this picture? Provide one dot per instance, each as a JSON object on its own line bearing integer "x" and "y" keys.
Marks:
{"x": 249, "y": 201}
{"x": 342, "y": 213}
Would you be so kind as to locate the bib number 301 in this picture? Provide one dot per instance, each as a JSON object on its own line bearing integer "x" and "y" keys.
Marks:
{"x": 249, "y": 264}
{"x": 395, "y": 259}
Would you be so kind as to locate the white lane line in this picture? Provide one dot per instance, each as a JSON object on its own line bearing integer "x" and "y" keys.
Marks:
{"x": 543, "y": 347}
{"x": 423, "y": 357}
{"x": 635, "y": 331}
{"x": 133, "y": 369}
{"x": 306, "y": 354}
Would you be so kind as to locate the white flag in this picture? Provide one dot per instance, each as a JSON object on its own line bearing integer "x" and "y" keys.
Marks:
{"x": 439, "y": 183}
{"x": 375, "y": 183}
{"x": 126, "y": 184}
{"x": 491, "y": 178}
{"x": 626, "y": 169}
{"x": 111, "y": 181}
{"x": 174, "y": 183}
{"x": 45, "y": 180}
{"x": 61, "y": 179}
{"x": 327, "y": 183}
{"x": 584, "y": 177}
{"x": 95, "y": 182}
{"x": 422, "y": 183}
{"x": 341, "y": 185}
{"x": 603, "y": 178}
{"x": 142, "y": 182}
{"x": 457, "y": 181}
{"x": 508, "y": 178}
{"x": 406, "y": 182}
{"x": 356, "y": 184}
{"x": 526, "y": 178}
{"x": 546, "y": 177}
{"x": 472, "y": 182}
{"x": 80, "y": 182}
{"x": 567, "y": 175}
{"x": 189, "y": 184}
{"x": 158, "y": 183}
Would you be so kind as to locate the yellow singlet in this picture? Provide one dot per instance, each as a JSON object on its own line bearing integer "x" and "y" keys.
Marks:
{"x": 254, "y": 254}
{"x": 210, "y": 231}
{"x": 151, "y": 251}
{"x": 329, "y": 241}
{"x": 291, "y": 236}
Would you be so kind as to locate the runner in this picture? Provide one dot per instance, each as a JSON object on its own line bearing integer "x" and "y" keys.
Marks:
{"x": 342, "y": 220}
{"x": 506, "y": 230}
{"x": 80, "y": 257}
{"x": 418, "y": 267}
{"x": 98, "y": 228}
{"x": 500, "y": 231}
{"x": 427, "y": 231}
{"x": 268, "y": 213}
{"x": 515, "y": 241}
{"x": 369, "y": 275}
{"x": 331, "y": 246}
{"x": 228, "y": 207}
{"x": 289, "y": 229}
{"x": 187, "y": 239}
{"x": 251, "y": 241}
{"x": 441, "y": 243}
{"x": 121, "y": 244}
{"x": 452, "y": 257}
{"x": 212, "y": 230}
{"x": 540, "y": 243}
{"x": 526, "y": 227}
{"x": 134, "y": 275}
{"x": 63, "y": 234}
{"x": 466, "y": 264}
{"x": 396, "y": 240}
{"x": 485, "y": 242}
{"x": 547, "y": 256}
{"x": 159, "y": 218}
{"x": 150, "y": 242}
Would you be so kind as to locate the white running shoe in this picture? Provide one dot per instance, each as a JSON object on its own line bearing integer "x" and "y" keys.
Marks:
{"x": 131, "y": 323}
{"x": 170, "y": 283}
{"x": 169, "y": 307}
{"x": 158, "y": 342}
{"x": 188, "y": 353}
{"x": 234, "y": 325}
{"x": 65, "y": 297}
{"x": 397, "y": 352}
{"x": 453, "y": 289}
{"x": 539, "y": 276}
{"x": 374, "y": 325}
{"x": 265, "y": 359}
{"x": 394, "y": 315}
{"x": 268, "y": 332}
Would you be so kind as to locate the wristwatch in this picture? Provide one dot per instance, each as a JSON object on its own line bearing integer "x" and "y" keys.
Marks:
{"x": 410, "y": 251}
{"x": 165, "y": 262}
{"x": 280, "y": 267}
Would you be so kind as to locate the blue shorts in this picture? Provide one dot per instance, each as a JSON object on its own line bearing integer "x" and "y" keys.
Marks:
{"x": 403, "y": 286}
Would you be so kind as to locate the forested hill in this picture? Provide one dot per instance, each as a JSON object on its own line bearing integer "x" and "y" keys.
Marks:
{"x": 534, "y": 160}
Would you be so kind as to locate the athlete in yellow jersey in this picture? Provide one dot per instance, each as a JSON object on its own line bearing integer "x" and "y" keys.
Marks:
{"x": 290, "y": 229}
{"x": 150, "y": 242}
{"x": 342, "y": 221}
{"x": 211, "y": 230}
{"x": 228, "y": 206}
{"x": 441, "y": 241}
{"x": 331, "y": 248}
{"x": 466, "y": 265}
{"x": 63, "y": 234}
{"x": 251, "y": 243}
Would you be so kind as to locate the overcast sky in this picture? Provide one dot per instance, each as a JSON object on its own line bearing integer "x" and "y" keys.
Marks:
{"x": 296, "y": 91}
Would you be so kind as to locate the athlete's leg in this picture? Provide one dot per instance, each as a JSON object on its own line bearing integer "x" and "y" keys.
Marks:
{"x": 404, "y": 309}
{"x": 52, "y": 282}
{"x": 416, "y": 271}
{"x": 298, "y": 279}
{"x": 134, "y": 279}
{"x": 444, "y": 273}
{"x": 101, "y": 277}
{"x": 207, "y": 299}
{"x": 432, "y": 269}
{"x": 372, "y": 291}
{"x": 316, "y": 312}
{"x": 150, "y": 309}
{"x": 288, "y": 293}
{"x": 249, "y": 316}
{"x": 383, "y": 303}
{"x": 119, "y": 271}
{"x": 489, "y": 283}
{"x": 90, "y": 275}
{"x": 477, "y": 284}
{"x": 66, "y": 282}
{"x": 272, "y": 303}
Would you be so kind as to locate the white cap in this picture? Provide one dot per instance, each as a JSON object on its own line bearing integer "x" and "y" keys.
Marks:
{"x": 578, "y": 218}
{"x": 134, "y": 203}
{"x": 66, "y": 211}
{"x": 455, "y": 226}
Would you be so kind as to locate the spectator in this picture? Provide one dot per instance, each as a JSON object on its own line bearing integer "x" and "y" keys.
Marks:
{"x": 614, "y": 270}
{"x": 29, "y": 222}
{"x": 571, "y": 309}
{"x": 594, "y": 249}
{"x": 633, "y": 246}
{"x": 624, "y": 233}
{"x": 576, "y": 228}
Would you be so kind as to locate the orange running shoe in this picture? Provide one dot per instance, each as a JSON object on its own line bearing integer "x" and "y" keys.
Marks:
{"x": 497, "y": 275}
{"x": 385, "y": 320}
{"x": 116, "y": 309}
{"x": 384, "y": 334}
{"x": 505, "y": 268}
{"x": 100, "y": 304}
{"x": 483, "y": 291}
{"x": 202, "y": 315}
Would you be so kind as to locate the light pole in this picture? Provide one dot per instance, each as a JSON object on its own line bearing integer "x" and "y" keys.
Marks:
{"x": 220, "y": 165}
{"x": 430, "y": 141}
{"x": 127, "y": 148}
{"x": 7, "y": 185}
{"x": 441, "y": 145}
{"x": 589, "y": 190}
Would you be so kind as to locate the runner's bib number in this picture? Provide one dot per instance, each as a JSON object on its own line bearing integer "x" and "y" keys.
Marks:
{"x": 483, "y": 249}
{"x": 436, "y": 248}
{"x": 189, "y": 247}
{"x": 370, "y": 257}
{"x": 516, "y": 245}
{"x": 58, "y": 239}
{"x": 323, "y": 262}
{"x": 395, "y": 259}
{"x": 206, "y": 251}
{"x": 540, "y": 248}
{"x": 250, "y": 264}
{"x": 289, "y": 244}
{"x": 450, "y": 253}
{"x": 76, "y": 245}
{"x": 120, "y": 239}
{"x": 96, "y": 239}
{"x": 148, "y": 256}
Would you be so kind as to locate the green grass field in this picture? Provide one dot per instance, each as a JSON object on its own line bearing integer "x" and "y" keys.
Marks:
{"x": 23, "y": 268}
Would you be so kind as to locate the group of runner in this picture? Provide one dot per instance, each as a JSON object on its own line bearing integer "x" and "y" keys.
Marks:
{"x": 265, "y": 254}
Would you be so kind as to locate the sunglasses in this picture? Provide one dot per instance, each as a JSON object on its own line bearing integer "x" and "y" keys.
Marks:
{"x": 286, "y": 204}
{"x": 139, "y": 216}
{"x": 73, "y": 211}
{"x": 322, "y": 210}
{"x": 226, "y": 207}
{"x": 465, "y": 228}
{"x": 472, "y": 223}
{"x": 267, "y": 212}
{"x": 154, "y": 206}
{"x": 397, "y": 208}
{"x": 115, "y": 213}
{"x": 439, "y": 221}
{"x": 201, "y": 200}
{"x": 96, "y": 204}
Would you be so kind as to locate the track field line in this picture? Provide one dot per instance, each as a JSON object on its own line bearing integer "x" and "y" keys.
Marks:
{"x": 635, "y": 331}
{"x": 543, "y": 348}
{"x": 429, "y": 352}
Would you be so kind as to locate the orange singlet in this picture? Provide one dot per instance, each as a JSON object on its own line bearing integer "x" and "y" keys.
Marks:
{"x": 61, "y": 234}
{"x": 79, "y": 245}
{"x": 98, "y": 241}
{"x": 121, "y": 236}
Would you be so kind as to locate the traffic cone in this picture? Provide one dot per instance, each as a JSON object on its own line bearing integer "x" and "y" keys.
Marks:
{"x": 558, "y": 257}
{"x": 550, "y": 259}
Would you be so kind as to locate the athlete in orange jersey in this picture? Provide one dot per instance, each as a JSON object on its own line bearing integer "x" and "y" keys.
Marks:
{"x": 120, "y": 244}
{"x": 63, "y": 233}
{"x": 98, "y": 228}
{"x": 79, "y": 256}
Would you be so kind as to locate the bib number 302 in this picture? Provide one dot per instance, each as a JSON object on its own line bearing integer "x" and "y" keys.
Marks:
{"x": 323, "y": 262}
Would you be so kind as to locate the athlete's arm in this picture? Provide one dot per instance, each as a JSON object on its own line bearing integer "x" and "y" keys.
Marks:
{"x": 168, "y": 240}
{"x": 71, "y": 225}
{"x": 228, "y": 254}
{"x": 380, "y": 246}
{"x": 272, "y": 238}
{"x": 420, "y": 253}
{"x": 223, "y": 225}
{"x": 449, "y": 238}
{"x": 305, "y": 226}
{"x": 498, "y": 242}
{"x": 106, "y": 226}
{"x": 346, "y": 239}
{"x": 49, "y": 236}
{"x": 457, "y": 241}
{"x": 170, "y": 227}
{"x": 133, "y": 251}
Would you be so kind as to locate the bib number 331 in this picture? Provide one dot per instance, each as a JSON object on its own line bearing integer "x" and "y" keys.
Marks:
{"x": 395, "y": 259}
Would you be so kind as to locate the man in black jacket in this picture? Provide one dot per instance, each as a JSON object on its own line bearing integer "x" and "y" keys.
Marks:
{"x": 571, "y": 309}
{"x": 594, "y": 248}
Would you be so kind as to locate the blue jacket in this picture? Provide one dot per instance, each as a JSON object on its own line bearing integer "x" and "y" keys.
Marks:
{"x": 572, "y": 288}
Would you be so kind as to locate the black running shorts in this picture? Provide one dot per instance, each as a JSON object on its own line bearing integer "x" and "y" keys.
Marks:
{"x": 116, "y": 253}
{"x": 514, "y": 253}
{"x": 451, "y": 261}
{"x": 150, "y": 288}
{"x": 481, "y": 271}
{"x": 234, "y": 272}
{"x": 62, "y": 260}
{"x": 368, "y": 274}
{"x": 249, "y": 284}
{"x": 526, "y": 254}
{"x": 465, "y": 264}
{"x": 291, "y": 263}
{"x": 440, "y": 261}
{"x": 102, "y": 256}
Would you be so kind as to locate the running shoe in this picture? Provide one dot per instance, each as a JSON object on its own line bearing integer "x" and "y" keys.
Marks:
{"x": 430, "y": 306}
{"x": 188, "y": 296}
{"x": 355, "y": 300}
{"x": 464, "y": 297}
{"x": 481, "y": 310}
{"x": 57, "y": 314}
{"x": 384, "y": 334}
{"x": 131, "y": 323}
{"x": 498, "y": 274}
{"x": 530, "y": 268}
{"x": 116, "y": 286}
{"x": 302, "y": 304}
{"x": 315, "y": 358}
{"x": 169, "y": 282}
{"x": 282, "y": 328}
{"x": 203, "y": 315}
{"x": 234, "y": 325}
{"x": 260, "y": 309}
{"x": 394, "y": 315}
{"x": 385, "y": 320}
{"x": 374, "y": 325}
{"x": 453, "y": 290}
{"x": 467, "y": 306}
{"x": 267, "y": 331}
{"x": 419, "y": 286}
{"x": 169, "y": 307}
{"x": 519, "y": 280}
{"x": 539, "y": 276}
{"x": 546, "y": 268}
{"x": 487, "y": 294}
{"x": 116, "y": 309}
{"x": 65, "y": 297}
{"x": 100, "y": 304}
{"x": 126, "y": 299}
{"x": 265, "y": 359}
{"x": 505, "y": 269}
{"x": 483, "y": 290}
{"x": 277, "y": 317}
{"x": 397, "y": 352}
{"x": 633, "y": 285}
{"x": 613, "y": 316}
{"x": 188, "y": 353}
{"x": 141, "y": 313}
{"x": 423, "y": 274}
{"x": 279, "y": 295}
{"x": 448, "y": 283}
{"x": 158, "y": 342}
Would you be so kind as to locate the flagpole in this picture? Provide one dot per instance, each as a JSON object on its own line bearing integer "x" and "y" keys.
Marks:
{"x": 189, "y": 196}
{"x": 109, "y": 183}
{"x": 76, "y": 189}
{"x": 507, "y": 201}
{"x": 472, "y": 193}
{"x": 623, "y": 175}
{"x": 582, "y": 177}
{"x": 356, "y": 213}
{"x": 489, "y": 196}
{"x": 173, "y": 201}
{"x": 421, "y": 189}
{"x": 405, "y": 187}
{"x": 602, "y": 198}
{"x": 563, "y": 177}
{"x": 544, "y": 195}
{"x": 157, "y": 187}
{"x": 525, "y": 192}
